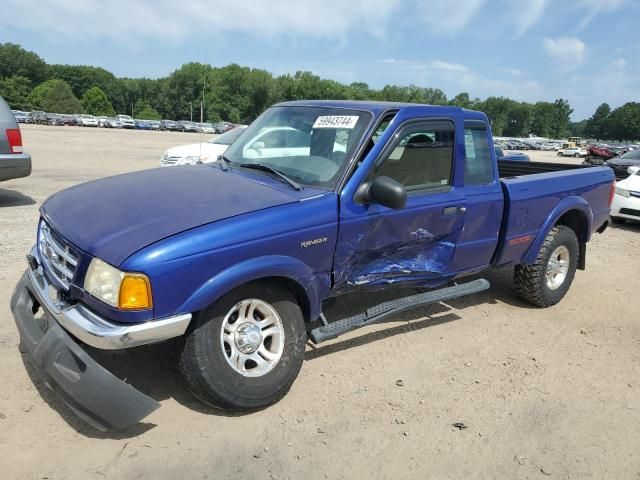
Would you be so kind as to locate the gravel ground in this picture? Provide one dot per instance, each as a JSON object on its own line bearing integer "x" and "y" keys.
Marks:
{"x": 551, "y": 393}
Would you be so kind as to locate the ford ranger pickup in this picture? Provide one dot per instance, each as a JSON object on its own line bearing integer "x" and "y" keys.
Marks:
{"x": 235, "y": 258}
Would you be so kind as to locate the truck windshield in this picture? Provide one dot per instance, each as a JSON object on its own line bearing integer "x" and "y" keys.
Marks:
{"x": 310, "y": 145}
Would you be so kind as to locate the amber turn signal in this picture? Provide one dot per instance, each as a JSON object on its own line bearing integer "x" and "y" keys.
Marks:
{"x": 135, "y": 292}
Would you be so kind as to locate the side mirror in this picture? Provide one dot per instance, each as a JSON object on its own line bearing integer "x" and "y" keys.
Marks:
{"x": 383, "y": 191}
{"x": 633, "y": 170}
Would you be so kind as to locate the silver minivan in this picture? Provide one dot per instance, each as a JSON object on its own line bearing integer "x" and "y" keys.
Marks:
{"x": 14, "y": 162}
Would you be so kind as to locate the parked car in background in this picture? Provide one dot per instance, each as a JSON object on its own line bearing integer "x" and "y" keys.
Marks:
{"x": 621, "y": 164}
{"x": 155, "y": 124}
{"x": 88, "y": 121}
{"x": 513, "y": 156}
{"x": 205, "y": 152}
{"x": 39, "y": 117}
{"x": 112, "y": 122}
{"x": 205, "y": 128}
{"x": 222, "y": 127}
{"x": 187, "y": 126}
{"x": 126, "y": 121}
{"x": 573, "y": 152}
{"x": 626, "y": 200}
{"x": 101, "y": 119}
{"x": 142, "y": 124}
{"x": 22, "y": 117}
{"x": 14, "y": 162}
{"x": 54, "y": 119}
{"x": 169, "y": 125}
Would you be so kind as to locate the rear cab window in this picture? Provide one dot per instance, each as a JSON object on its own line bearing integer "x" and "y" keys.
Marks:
{"x": 478, "y": 164}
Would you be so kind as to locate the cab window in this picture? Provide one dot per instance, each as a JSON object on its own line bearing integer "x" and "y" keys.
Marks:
{"x": 421, "y": 157}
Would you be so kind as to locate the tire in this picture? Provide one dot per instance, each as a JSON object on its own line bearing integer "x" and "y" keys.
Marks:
{"x": 618, "y": 220}
{"x": 560, "y": 154}
{"x": 577, "y": 155}
{"x": 532, "y": 283}
{"x": 206, "y": 359}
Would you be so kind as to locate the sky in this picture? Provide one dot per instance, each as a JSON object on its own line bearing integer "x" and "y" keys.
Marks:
{"x": 583, "y": 50}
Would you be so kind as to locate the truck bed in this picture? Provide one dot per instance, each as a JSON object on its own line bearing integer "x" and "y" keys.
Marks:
{"x": 510, "y": 169}
{"x": 535, "y": 193}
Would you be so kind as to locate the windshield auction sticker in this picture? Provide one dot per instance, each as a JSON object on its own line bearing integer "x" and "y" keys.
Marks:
{"x": 336, "y": 121}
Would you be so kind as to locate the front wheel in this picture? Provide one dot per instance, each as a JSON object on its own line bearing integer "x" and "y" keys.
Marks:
{"x": 245, "y": 350}
{"x": 547, "y": 281}
{"x": 617, "y": 220}
{"x": 577, "y": 155}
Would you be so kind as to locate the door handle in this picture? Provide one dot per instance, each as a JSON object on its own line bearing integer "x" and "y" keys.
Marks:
{"x": 449, "y": 211}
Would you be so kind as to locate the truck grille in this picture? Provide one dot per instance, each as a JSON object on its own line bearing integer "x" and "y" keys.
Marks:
{"x": 170, "y": 160}
{"x": 630, "y": 211}
{"x": 56, "y": 255}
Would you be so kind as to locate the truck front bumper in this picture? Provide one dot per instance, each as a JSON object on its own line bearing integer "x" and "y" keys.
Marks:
{"x": 92, "y": 392}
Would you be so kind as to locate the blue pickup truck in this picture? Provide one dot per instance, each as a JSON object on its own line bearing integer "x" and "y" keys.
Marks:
{"x": 314, "y": 200}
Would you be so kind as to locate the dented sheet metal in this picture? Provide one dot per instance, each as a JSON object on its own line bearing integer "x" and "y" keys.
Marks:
{"x": 390, "y": 252}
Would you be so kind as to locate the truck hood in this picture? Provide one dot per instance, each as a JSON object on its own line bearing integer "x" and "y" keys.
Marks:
{"x": 114, "y": 217}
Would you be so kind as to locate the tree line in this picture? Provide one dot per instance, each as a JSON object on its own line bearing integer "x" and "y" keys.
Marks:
{"x": 239, "y": 94}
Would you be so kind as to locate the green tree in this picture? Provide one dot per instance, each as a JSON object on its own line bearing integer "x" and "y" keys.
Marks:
{"x": 561, "y": 118}
{"x": 147, "y": 112}
{"x": 461, "y": 100}
{"x": 624, "y": 122}
{"x": 542, "y": 119}
{"x": 518, "y": 120}
{"x": 54, "y": 96}
{"x": 16, "y": 61}
{"x": 95, "y": 102}
{"x": 15, "y": 90}
{"x": 598, "y": 125}
{"x": 497, "y": 109}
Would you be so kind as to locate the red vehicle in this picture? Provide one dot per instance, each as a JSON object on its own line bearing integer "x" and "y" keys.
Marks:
{"x": 598, "y": 155}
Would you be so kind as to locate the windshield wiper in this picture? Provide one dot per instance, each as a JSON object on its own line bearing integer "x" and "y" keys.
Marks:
{"x": 226, "y": 163}
{"x": 277, "y": 173}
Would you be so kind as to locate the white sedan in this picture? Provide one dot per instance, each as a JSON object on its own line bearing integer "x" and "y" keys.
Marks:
{"x": 206, "y": 152}
{"x": 573, "y": 152}
{"x": 626, "y": 200}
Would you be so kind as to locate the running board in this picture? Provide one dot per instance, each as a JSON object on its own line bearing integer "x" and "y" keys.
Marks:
{"x": 380, "y": 312}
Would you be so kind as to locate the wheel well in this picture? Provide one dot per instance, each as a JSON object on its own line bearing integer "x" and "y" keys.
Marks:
{"x": 296, "y": 290}
{"x": 576, "y": 221}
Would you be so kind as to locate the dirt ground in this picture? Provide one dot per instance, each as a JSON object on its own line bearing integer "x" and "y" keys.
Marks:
{"x": 549, "y": 393}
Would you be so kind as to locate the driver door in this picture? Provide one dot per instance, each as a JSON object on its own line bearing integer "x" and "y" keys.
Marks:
{"x": 416, "y": 244}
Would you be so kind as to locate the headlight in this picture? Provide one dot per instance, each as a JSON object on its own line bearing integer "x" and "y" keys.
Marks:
{"x": 622, "y": 192}
{"x": 122, "y": 290}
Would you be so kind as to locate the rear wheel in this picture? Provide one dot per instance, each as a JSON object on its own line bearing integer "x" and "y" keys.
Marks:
{"x": 577, "y": 155}
{"x": 246, "y": 349}
{"x": 560, "y": 154}
{"x": 547, "y": 281}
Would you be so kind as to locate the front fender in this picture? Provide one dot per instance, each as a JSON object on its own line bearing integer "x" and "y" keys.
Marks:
{"x": 566, "y": 204}
{"x": 255, "y": 269}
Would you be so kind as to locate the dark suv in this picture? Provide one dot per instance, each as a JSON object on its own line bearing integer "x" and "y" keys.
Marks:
{"x": 14, "y": 163}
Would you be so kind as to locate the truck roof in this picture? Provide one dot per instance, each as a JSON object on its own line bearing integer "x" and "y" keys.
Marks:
{"x": 379, "y": 107}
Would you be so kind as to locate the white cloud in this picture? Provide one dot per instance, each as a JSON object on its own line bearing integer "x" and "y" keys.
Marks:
{"x": 566, "y": 51}
{"x": 527, "y": 14}
{"x": 126, "y": 21}
{"x": 594, "y": 7}
{"x": 447, "y": 16}
{"x": 516, "y": 72}
{"x": 454, "y": 78}
{"x": 619, "y": 63}
{"x": 432, "y": 65}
